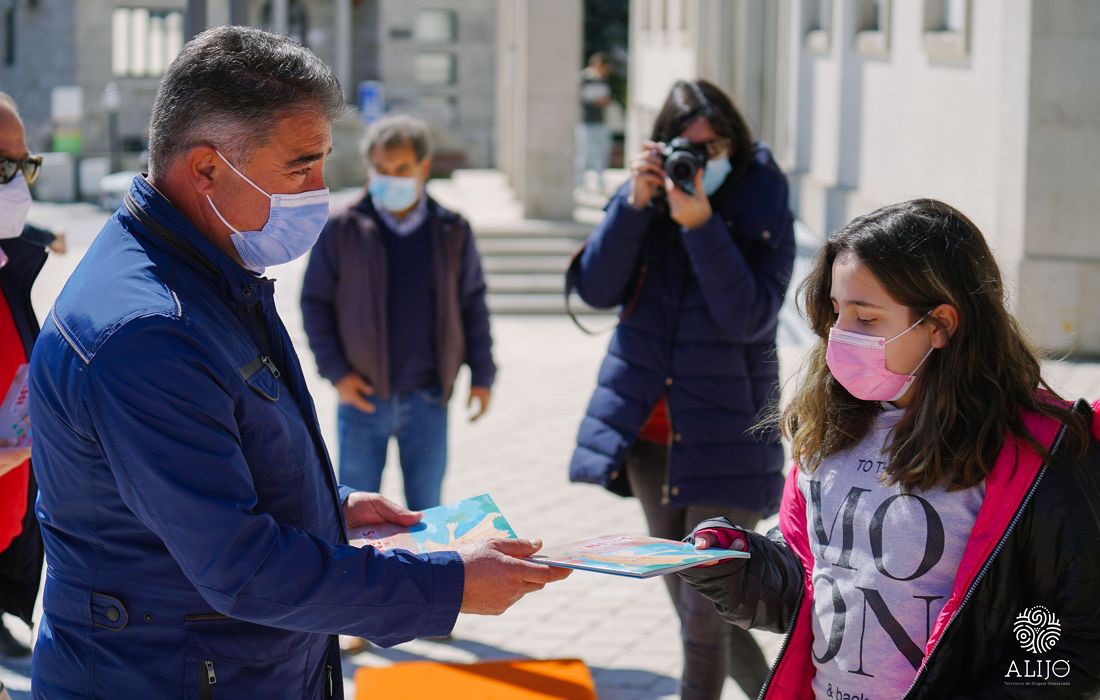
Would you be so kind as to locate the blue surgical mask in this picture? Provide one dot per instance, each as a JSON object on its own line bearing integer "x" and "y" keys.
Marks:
{"x": 393, "y": 193}
{"x": 716, "y": 172}
{"x": 292, "y": 227}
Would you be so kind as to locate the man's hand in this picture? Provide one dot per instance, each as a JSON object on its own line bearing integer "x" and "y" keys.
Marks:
{"x": 59, "y": 245}
{"x": 689, "y": 210}
{"x": 482, "y": 394}
{"x": 12, "y": 457}
{"x": 497, "y": 576}
{"x": 363, "y": 508}
{"x": 352, "y": 388}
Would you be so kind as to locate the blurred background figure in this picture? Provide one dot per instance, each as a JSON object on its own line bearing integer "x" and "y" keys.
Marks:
{"x": 393, "y": 303}
{"x": 22, "y": 255}
{"x": 593, "y": 136}
{"x": 697, "y": 249}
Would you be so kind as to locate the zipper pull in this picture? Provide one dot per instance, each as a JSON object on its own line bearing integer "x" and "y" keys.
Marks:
{"x": 271, "y": 366}
{"x": 211, "y": 679}
{"x": 331, "y": 685}
{"x": 665, "y": 500}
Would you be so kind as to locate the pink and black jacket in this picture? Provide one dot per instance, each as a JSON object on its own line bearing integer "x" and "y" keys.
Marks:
{"x": 1036, "y": 541}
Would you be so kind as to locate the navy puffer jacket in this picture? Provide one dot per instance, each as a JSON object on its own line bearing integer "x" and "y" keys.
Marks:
{"x": 702, "y": 311}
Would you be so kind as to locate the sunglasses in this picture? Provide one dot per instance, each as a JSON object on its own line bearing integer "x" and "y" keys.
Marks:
{"x": 10, "y": 167}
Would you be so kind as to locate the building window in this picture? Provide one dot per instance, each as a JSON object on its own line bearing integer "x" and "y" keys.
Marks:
{"x": 436, "y": 25}
{"x": 9, "y": 36}
{"x": 143, "y": 41}
{"x": 436, "y": 69}
{"x": 873, "y": 28}
{"x": 817, "y": 23}
{"x": 947, "y": 29}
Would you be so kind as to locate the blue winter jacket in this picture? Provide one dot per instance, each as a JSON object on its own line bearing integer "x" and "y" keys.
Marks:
{"x": 193, "y": 526}
{"x": 700, "y": 315}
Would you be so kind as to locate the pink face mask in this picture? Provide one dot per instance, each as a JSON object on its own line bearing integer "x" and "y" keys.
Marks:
{"x": 858, "y": 362}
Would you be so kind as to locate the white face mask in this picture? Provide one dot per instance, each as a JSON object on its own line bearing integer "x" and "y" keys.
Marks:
{"x": 15, "y": 202}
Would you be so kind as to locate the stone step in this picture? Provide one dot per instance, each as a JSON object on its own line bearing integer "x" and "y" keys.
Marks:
{"x": 525, "y": 264}
{"x": 533, "y": 228}
{"x": 525, "y": 283}
{"x": 542, "y": 305}
{"x": 520, "y": 246}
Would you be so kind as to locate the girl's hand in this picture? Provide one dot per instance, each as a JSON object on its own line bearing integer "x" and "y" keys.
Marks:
{"x": 689, "y": 210}
{"x": 707, "y": 539}
{"x": 647, "y": 175}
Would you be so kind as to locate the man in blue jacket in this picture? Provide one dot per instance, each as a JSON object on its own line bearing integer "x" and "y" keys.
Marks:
{"x": 195, "y": 534}
{"x": 393, "y": 304}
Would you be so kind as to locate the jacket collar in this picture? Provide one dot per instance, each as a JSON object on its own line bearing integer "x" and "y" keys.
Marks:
{"x": 232, "y": 278}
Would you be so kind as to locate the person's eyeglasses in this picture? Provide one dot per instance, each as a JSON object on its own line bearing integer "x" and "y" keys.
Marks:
{"x": 30, "y": 166}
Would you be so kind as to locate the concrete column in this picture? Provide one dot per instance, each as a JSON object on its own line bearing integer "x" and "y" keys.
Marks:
{"x": 238, "y": 11}
{"x": 194, "y": 21}
{"x": 342, "y": 33}
{"x": 279, "y": 15}
{"x": 1059, "y": 274}
{"x": 539, "y": 93}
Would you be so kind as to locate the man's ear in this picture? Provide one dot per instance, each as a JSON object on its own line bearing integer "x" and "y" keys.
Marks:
{"x": 425, "y": 168}
{"x": 947, "y": 322}
{"x": 203, "y": 168}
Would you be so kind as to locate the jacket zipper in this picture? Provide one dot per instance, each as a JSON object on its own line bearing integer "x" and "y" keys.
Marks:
{"x": 206, "y": 679}
{"x": 331, "y": 684}
{"x": 989, "y": 561}
{"x": 786, "y": 639}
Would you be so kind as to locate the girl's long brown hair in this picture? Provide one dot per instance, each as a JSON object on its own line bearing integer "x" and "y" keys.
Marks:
{"x": 969, "y": 395}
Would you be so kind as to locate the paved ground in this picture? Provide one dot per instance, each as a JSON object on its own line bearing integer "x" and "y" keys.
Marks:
{"x": 625, "y": 630}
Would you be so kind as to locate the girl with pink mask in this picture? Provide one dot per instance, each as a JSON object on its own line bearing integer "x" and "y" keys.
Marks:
{"x": 939, "y": 533}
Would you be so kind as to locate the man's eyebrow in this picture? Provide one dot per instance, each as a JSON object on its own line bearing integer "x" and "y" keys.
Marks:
{"x": 307, "y": 158}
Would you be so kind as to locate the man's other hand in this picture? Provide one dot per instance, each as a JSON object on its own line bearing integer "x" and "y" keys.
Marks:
{"x": 497, "y": 575}
{"x": 363, "y": 508}
{"x": 481, "y": 394}
{"x": 352, "y": 389}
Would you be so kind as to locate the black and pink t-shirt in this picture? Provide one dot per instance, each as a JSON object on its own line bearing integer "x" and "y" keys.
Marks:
{"x": 884, "y": 565}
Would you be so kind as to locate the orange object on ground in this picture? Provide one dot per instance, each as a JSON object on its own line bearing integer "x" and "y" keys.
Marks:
{"x": 521, "y": 679}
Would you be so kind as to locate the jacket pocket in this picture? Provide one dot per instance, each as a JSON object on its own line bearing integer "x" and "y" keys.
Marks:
{"x": 229, "y": 658}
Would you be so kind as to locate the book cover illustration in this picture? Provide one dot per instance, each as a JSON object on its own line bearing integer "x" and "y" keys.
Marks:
{"x": 631, "y": 555}
{"x": 443, "y": 528}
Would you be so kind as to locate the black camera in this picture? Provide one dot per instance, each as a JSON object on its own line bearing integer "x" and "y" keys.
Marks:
{"x": 682, "y": 160}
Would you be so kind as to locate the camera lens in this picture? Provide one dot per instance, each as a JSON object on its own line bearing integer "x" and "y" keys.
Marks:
{"x": 681, "y": 167}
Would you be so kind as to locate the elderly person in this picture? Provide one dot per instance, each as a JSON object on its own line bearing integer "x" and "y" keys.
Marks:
{"x": 22, "y": 255}
{"x": 194, "y": 530}
{"x": 394, "y": 304}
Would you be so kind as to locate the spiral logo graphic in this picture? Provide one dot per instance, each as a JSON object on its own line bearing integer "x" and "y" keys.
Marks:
{"x": 1037, "y": 630}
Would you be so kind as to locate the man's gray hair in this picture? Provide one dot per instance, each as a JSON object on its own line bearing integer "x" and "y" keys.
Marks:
{"x": 396, "y": 131}
{"x": 230, "y": 86}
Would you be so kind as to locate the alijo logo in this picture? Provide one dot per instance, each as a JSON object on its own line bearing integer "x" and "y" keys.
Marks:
{"x": 1037, "y": 630}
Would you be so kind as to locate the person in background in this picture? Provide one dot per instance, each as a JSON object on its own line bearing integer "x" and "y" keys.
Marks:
{"x": 22, "y": 255}
{"x": 393, "y": 304}
{"x": 700, "y": 270}
{"x": 593, "y": 138}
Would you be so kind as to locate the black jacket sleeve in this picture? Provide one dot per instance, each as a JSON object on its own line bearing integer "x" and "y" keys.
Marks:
{"x": 761, "y": 592}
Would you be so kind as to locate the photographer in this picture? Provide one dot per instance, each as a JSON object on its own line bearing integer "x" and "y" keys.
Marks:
{"x": 697, "y": 249}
